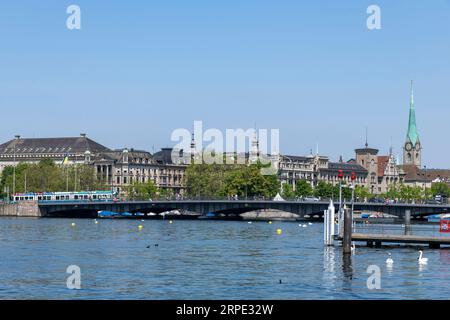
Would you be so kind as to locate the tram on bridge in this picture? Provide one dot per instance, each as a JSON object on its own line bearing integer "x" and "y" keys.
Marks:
{"x": 64, "y": 196}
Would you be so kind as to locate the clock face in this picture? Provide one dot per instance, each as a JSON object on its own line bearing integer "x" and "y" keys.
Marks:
{"x": 408, "y": 146}
{"x": 418, "y": 145}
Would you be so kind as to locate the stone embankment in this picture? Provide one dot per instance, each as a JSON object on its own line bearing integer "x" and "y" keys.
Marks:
{"x": 22, "y": 209}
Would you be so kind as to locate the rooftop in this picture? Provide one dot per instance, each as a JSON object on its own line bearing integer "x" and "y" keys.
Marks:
{"x": 32, "y": 146}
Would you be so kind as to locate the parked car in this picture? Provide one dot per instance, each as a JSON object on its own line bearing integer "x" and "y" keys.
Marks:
{"x": 432, "y": 201}
{"x": 376, "y": 200}
{"x": 311, "y": 198}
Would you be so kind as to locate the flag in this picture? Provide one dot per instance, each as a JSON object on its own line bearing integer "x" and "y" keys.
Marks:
{"x": 66, "y": 159}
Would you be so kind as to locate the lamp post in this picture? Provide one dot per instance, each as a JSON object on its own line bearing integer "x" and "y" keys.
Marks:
{"x": 425, "y": 182}
{"x": 353, "y": 177}
{"x": 17, "y": 137}
{"x": 340, "y": 215}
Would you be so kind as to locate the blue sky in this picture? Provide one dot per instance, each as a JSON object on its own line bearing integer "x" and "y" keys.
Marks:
{"x": 137, "y": 70}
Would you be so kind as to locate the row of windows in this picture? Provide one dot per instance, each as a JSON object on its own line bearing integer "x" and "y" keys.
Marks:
{"x": 131, "y": 180}
{"x": 40, "y": 149}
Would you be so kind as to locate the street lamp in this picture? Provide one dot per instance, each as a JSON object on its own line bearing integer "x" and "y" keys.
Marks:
{"x": 17, "y": 137}
{"x": 340, "y": 215}
{"x": 425, "y": 182}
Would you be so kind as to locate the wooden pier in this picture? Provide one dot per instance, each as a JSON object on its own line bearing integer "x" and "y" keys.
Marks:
{"x": 378, "y": 239}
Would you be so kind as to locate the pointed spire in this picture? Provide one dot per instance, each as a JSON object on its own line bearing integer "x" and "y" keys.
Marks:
{"x": 367, "y": 143}
{"x": 412, "y": 135}
{"x": 391, "y": 148}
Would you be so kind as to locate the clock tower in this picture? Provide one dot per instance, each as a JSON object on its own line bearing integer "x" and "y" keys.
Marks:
{"x": 412, "y": 149}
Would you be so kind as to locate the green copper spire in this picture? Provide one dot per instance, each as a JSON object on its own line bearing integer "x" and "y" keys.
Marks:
{"x": 412, "y": 129}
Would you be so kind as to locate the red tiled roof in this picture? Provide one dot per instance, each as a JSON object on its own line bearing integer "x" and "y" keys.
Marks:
{"x": 382, "y": 163}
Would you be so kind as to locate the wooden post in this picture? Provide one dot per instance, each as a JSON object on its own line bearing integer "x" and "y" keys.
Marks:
{"x": 407, "y": 222}
{"x": 347, "y": 239}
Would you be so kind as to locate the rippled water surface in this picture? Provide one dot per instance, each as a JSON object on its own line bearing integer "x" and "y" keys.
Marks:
{"x": 203, "y": 260}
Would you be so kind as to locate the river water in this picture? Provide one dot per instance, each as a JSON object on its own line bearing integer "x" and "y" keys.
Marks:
{"x": 203, "y": 260}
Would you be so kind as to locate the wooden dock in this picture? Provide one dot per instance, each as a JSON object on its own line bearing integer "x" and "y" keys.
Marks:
{"x": 378, "y": 239}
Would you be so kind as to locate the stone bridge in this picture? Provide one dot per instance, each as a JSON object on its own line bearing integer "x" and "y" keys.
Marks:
{"x": 203, "y": 207}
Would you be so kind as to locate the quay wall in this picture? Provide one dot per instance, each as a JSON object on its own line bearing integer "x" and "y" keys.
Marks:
{"x": 22, "y": 209}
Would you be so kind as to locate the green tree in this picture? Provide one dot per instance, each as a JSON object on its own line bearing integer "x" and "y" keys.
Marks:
{"x": 393, "y": 192}
{"x": 287, "y": 192}
{"x": 142, "y": 191}
{"x": 324, "y": 190}
{"x": 440, "y": 188}
{"x": 165, "y": 193}
{"x": 303, "y": 188}
{"x": 224, "y": 180}
{"x": 248, "y": 181}
{"x": 205, "y": 180}
{"x": 361, "y": 193}
{"x": 46, "y": 176}
{"x": 410, "y": 193}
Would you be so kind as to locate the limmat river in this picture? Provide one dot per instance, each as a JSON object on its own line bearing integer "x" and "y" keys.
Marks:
{"x": 203, "y": 260}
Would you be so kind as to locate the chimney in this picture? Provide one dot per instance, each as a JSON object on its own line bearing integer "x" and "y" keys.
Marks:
{"x": 83, "y": 135}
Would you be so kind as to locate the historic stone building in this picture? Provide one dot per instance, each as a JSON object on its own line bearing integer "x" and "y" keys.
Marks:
{"x": 115, "y": 168}
{"x": 315, "y": 168}
{"x": 382, "y": 171}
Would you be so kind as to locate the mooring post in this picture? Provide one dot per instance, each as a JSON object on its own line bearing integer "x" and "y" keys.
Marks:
{"x": 328, "y": 225}
{"x": 407, "y": 222}
{"x": 325, "y": 227}
{"x": 347, "y": 239}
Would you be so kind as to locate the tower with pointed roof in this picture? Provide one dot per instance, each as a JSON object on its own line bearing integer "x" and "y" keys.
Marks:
{"x": 412, "y": 149}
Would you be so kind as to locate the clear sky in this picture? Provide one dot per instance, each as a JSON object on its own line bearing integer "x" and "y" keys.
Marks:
{"x": 137, "y": 70}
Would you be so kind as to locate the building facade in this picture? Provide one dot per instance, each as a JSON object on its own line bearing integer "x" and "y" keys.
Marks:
{"x": 315, "y": 168}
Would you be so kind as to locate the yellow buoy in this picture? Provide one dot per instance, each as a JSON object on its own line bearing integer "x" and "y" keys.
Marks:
{"x": 140, "y": 227}
{"x": 279, "y": 232}
{"x": 73, "y": 224}
{"x": 270, "y": 222}
{"x": 170, "y": 221}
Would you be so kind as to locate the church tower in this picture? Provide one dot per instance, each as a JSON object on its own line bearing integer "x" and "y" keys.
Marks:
{"x": 412, "y": 149}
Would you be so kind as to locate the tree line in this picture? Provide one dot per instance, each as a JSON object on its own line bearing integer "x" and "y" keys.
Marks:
{"x": 202, "y": 181}
{"x": 47, "y": 176}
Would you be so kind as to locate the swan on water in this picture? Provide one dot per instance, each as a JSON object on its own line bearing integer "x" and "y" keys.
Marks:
{"x": 353, "y": 248}
{"x": 389, "y": 260}
{"x": 421, "y": 259}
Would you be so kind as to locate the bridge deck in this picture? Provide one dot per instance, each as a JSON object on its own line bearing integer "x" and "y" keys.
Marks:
{"x": 435, "y": 242}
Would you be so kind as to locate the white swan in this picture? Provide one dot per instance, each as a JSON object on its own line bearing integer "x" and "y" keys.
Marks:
{"x": 353, "y": 248}
{"x": 421, "y": 259}
{"x": 389, "y": 260}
